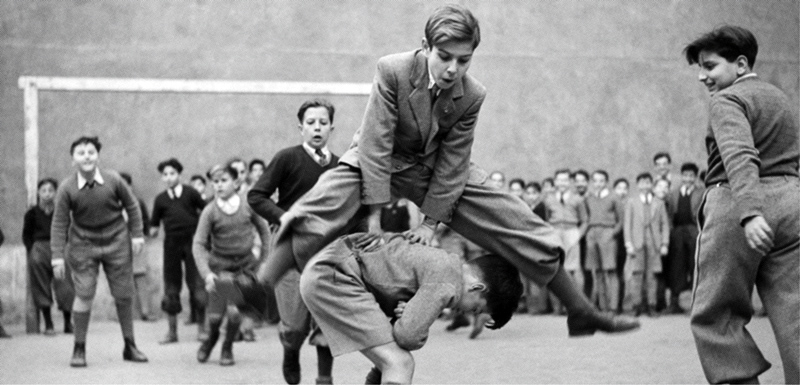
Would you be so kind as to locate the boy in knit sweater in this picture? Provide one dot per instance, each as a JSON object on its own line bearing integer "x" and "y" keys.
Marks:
{"x": 293, "y": 171}
{"x": 179, "y": 207}
{"x": 88, "y": 219}
{"x": 223, "y": 243}
{"x": 749, "y": 221}
{"x": 381, "y": 300}
{"x": 605, "y": 213}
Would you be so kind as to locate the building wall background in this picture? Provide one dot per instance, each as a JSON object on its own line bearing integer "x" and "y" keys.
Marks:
{"x": 571, "y": 83}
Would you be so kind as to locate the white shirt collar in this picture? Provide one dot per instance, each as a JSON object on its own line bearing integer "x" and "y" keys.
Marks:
{"x": 97, "y": 178}
{"x": 313, "y": 153}
{"x": 231, "y": 205}
{"x": 178, "y": 191}
{"x": 750, "y": 75}
{"x": 644, "y": 197}
{"x": 604, "y": 193}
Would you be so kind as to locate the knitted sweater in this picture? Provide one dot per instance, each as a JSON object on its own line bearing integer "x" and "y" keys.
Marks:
{"x": 179, "y": 215}
{"x": 93, "y": 213}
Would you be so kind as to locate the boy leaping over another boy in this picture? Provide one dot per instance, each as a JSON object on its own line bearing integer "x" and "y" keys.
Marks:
{"x": 352, "y": 291}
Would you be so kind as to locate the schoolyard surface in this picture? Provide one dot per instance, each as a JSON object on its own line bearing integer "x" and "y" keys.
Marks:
{"x": 530, "y": 349}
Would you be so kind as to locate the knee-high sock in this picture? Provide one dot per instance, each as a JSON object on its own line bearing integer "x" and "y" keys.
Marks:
{"x": 570, "y": 295}
{"x": 125, "y": 315}
{"x": 324, "y": 361}
{"x": 81, "y": 325}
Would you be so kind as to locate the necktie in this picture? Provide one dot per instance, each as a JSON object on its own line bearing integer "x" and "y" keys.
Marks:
{"x": 321, "y": 157}
{"x": 172, "y": 193}
{"x": 434, "y": 93}
{"x": 90, "y": 184}
{"x": 561, "y": 198}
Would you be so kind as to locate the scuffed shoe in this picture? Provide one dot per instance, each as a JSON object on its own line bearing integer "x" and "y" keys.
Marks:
{"x": 131, "y": 353}
{"x": 226, "y": 357}
{"x": 585, "y": 324}
{"x": 78, "y": 355}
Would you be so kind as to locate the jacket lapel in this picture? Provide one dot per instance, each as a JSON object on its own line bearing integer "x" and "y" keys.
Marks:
{"x": 444, "y": 105}
{"x": 420, "y": 97}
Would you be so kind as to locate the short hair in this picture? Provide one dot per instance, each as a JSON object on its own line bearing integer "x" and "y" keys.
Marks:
{"x": 127, "y": 178}
{"x": 497, "y": 172}
{"x": 621, "y": 180}
{"x": 728, "y": 41}
{"x": 548, "y": 180}
{"x": 644, "y": 175}
{"x": 171, "y": 162}
{"x": 518, "y": 181}
{"x": 301, "y": 112}
{"x": 689, "y": 166}
{"x": 534, "y": 185}
{"x": 255, "y": 162}
{"x": 562, "y": 171}
{"x": 503, "y": 287}
{"x": 226, "y": 168}
{"x": 669, "y": 183}
{"x": 197, "y": 177}
{"x": 601, "y": 172}
{"x": 45, "y": 181}
{"x": 580, "y": 172}
{"x": 452, "y": 22}
{"x": 93, "y": 140}
{"x": 662, "y": 154}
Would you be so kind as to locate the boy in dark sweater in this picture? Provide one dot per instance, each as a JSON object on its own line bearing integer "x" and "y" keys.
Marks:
{"x": 179, "y": 207}
{"x": 749, "y": 222}
{"x": 293, "y": 171}
{"x": 88, "y": 222}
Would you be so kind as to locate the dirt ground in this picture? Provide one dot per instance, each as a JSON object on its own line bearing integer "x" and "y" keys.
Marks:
{"x": 530, "y": 349}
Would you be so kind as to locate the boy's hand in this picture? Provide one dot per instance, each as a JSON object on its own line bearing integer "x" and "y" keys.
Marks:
{"x": 137, "y": 244}
{"x": 664, "y": 250}
{"x": 210, "y": 279}
{"x": 398, "y": 311}
{"x": 759, "y": 235}
{"x": 58, "y": 269}
{"x": 629, "y": 249}
{"x": 423, "y": 234}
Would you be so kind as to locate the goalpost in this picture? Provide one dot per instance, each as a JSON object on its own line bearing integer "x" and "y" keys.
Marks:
{"x": 31, "y": 85}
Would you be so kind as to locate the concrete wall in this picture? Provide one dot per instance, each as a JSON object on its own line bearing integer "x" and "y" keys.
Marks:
{"x": 571, "y": 83}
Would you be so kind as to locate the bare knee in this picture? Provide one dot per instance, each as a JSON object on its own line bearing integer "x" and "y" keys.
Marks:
{"x": 395, "y": 363}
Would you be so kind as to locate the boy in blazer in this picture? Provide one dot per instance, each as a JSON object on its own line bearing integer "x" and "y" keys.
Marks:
{"x": 749, "y": 221}
{"x": 682, "y": 205}
{"x": 646, "y": 232}
{"x": 415, "y": 142}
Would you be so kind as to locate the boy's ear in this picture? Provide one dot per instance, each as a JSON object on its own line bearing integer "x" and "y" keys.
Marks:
{"x": 425, "y": 46}
{"x": 742, "y": 65}
{"x": 477, "y": 286}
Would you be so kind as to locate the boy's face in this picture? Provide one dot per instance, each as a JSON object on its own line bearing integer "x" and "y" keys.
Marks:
{"x": 224, "y": 185}
{"x": 85, "y": 157}
{"x": 688, "y": 178}
{"x": 599, "y": 182}
{"x": 516, "y": 189}
{"x": 497, "y": 180}
{"x": 661, "y": 188}
{"x": 241, "y": 168}
{"x": 448, "y": 61}
{"x": 561, "y": 182}
{"x": 581, "y": 184}
{"x": 548, "y": 187}
{"x": 531, "y": 195}
{"x": 662, "y": 166}
{"x": 199, "y": 185}
{"x": 717, "y": 73}
{"x": 46, "y": 193}
{"x": 316, "y": 127}
{"x": 170, "y": 176}
{"x": 644, "y": 185}
{"x": 621, "y": 189}
{"x": 255, "y": 172}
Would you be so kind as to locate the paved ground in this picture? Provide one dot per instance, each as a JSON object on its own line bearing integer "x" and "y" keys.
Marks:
{"x": 528, "y": 350}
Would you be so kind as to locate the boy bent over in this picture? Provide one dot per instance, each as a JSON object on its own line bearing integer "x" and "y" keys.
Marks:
{"x": 353, "y": 292}
{"x": 88, "y": 217}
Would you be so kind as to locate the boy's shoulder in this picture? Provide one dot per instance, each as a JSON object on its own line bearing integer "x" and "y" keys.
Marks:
{"x": 750, "y": 87}
{"x": 288, "y": 152}
{"x": 413, "y": 65}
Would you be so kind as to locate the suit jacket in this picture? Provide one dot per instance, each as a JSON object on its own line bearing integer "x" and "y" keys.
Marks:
{"x": 696, "y": 197}
{"x": 401, "y": 129}
{"x": 634, "y": 224}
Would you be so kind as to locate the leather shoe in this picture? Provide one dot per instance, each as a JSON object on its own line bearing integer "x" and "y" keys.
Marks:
{"x": 587, "y": 323}
{"x": 130, "y": 353}
{"x": 226, "y": 357}
{"x": 374, "y": 376}
{"x": 78, "y": 356}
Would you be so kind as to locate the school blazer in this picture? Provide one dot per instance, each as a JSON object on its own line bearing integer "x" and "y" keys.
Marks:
{"x": 695, "y": 198}
{"x": 401, "y": 128}
{"x": 634, "y": 225}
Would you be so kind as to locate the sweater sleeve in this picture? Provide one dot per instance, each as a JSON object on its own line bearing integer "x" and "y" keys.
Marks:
{"x": 734, "y": 137}
{"x": 158, "y": 212}
{"x": 201, "y": 246}
{"x": 28, "y": 228}
{"x": 260, "y": 196}
{"x": 61, "y": 222}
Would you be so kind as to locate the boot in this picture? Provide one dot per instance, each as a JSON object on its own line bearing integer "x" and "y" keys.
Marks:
{"x": 172, "y": 333}
{"x": 130, "y": 353}
{"x": 208, "y": 345}
{"x": 226, "y": 356}
{"x": 202, "y": 332}
{"x": 373, "y": 377}
{"x": 78, "y": 355}
{"x": 49, "y": 329}
{"x": 291, "y": 366}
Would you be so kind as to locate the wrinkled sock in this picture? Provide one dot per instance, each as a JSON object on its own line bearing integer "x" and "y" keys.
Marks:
{"x": 81, "y": 325}
{"x": 125, "y": 315}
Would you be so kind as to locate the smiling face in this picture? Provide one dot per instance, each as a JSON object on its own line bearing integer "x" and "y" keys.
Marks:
{"x": 448, "y": 61}
{"x": 316, "y": 127}
{"x": 717, "y": 73}
{"x": 170, "y": 176}
{"x": 599, "y": 181}
{"x": 85, "y": 157}
{"x": 46, "y": 193}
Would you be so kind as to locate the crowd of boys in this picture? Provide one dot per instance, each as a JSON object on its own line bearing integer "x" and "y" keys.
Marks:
{"x": 379, "y": 293}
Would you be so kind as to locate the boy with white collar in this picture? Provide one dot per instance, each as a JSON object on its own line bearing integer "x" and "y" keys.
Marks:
{"x": 88, "y": 216}
{"x": 605, "y": 213}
